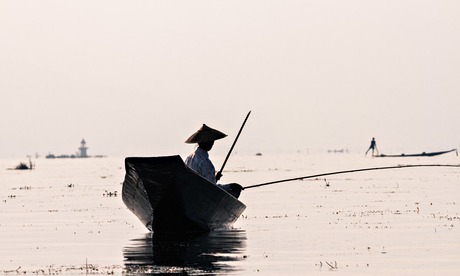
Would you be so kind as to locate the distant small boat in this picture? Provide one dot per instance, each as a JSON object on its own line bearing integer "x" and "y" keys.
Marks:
{"x": 423, "y": 154}
{"x": 50, "y": 156}
{"x": 168, "y": 196}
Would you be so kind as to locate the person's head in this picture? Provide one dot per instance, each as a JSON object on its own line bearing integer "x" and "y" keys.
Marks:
{"x": 205, "y": 137}
{"x": 207, "y": 146}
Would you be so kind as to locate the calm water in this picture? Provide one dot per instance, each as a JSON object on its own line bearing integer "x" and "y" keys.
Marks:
{"x": 67, "y": 217}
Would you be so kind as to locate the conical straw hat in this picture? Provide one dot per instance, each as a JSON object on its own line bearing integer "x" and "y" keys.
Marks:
{"x": 205, "y": 134}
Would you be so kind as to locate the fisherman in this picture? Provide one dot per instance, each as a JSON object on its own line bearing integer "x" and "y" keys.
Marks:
{"x": 373, "y": 147}
{"x": 199, "y": 159}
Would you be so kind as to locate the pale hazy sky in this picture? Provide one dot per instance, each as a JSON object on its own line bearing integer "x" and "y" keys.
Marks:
{"x": 138, "y": 77}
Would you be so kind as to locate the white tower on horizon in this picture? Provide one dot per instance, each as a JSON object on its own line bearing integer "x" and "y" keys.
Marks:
{"x": 83, "y": 149}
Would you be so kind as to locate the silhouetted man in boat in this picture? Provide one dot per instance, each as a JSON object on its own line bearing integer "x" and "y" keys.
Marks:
{"x": 199, "y": 159}
{"x": 373, "y": 147}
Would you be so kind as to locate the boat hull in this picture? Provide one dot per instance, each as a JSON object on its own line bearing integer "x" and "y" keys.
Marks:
{"x": 168, "y": 196}
{"x": 423, "y": 154}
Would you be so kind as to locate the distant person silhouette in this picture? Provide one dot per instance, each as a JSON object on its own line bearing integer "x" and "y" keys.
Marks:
{"x": 373, "y": 147}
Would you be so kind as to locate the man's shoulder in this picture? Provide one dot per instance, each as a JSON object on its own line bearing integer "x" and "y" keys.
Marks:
{"x": 200, "y": 153}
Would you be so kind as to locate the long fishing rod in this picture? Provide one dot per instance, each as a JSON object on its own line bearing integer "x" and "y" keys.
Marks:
{"x": 219, "y": 174}
{"x": 347, "y": 171}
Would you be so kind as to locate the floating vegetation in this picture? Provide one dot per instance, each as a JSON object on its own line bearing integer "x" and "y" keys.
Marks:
{"x": 240, "y": 171}
{"x": 110, "y": 194}
{"x": 12, "y": 271}
{"x": 332, "y": 266}
{"x": 22, "y": 166}
{"x": 57, "y": 270}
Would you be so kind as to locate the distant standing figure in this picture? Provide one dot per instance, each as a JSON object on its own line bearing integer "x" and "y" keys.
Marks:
{"x": 199, "y": 159}
{"x": 373, "y": 147}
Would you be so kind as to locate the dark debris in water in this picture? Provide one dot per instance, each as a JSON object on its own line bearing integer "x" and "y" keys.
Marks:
{"x": 110, "y": 194}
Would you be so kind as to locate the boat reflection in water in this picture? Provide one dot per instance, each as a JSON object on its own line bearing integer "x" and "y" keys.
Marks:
{"x": 215, "y": 253}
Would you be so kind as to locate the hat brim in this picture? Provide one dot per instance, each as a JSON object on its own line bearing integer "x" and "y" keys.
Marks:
{"x": 205, "y": 134}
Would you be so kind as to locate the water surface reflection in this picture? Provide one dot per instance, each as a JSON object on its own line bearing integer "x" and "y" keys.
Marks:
{"x": 216, "y": 252}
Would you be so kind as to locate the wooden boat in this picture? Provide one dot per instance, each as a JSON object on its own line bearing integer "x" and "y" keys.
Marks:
{"x": 423, "y": 154}
{"x": 168, "y": 196}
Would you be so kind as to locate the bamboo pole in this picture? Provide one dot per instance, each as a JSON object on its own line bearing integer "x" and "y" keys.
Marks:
{"x": 219, "y": 174}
